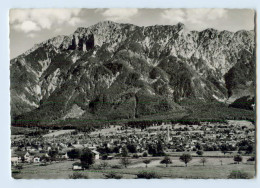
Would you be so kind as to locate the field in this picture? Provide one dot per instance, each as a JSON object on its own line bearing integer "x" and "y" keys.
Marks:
{"x": 212, "y": 169}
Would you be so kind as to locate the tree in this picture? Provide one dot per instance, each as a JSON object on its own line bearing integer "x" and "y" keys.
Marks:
{"x": 146, "y": 162}
{"x": 124, "y": 152}
{"x": 186, "y": 158}
{"x": 249, "y": 149}
{"x": 87, "y": 158}
{"x": 125, "y": 161}
{"x": 152, "y": 149}
{"x": 156, "y": 150}
{"x": 74, "y": 154}
{"x": 159, "y": 148}
{"x": 131, "y": 148}
{"x": 224, "y": 148}
{"x": 198, "y": 146}
{"x": 166, "y": 161}
{"x": 238, "y": 158}
{"x": 53, "y": 154}
{"x": 203, "y": 160}
{"x": 199, "y": 152}
{"x": 116, "y": 149}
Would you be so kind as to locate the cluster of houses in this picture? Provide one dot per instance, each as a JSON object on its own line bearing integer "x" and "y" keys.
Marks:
{"x": 210, "y": 137}
{"x": 35, "y": 151}
{"x": 175, "y": 138}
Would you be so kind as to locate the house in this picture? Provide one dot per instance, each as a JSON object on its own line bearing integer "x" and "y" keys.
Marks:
{"x": 77, "y": 146}
{"x": 27, "y": 156}
{"x": 36, "y": 159}
{"x": 63, "y": 155}
{"x": 15, "y": 160}
{"x": 96, "y": 154}
{"x": 77, "y": 166}
{"x": 90, "y": 147}
{"x": 24, "y": 156}
{"x": 44, "y": 157}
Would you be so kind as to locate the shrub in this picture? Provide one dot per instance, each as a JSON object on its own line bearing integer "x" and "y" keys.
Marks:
{"x": 199, "y": 152}
{"x": 145, "y": 154}
{"x": 77, "y": 175}
{"x": 251, "y": 159}
{"x": 148, "y": 175}
{"x": 19, "y": 167}
{"x": 116, "y": 166}
{"x": 238, "y": 175}
{"x": 238, "y": 158}
{"x": 113, "y": 175}
{"x": 166, "y": 160}
{"x": 103, "y": 165}
{"x": 43, "y": 164}
{"x": 136, "y": 156}
{"x": 16, "y": 171}
{"x": 104, "y": 157}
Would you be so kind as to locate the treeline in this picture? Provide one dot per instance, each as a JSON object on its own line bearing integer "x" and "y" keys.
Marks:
{"x": 147, "y": 123}
{"x": 91, "y": 125}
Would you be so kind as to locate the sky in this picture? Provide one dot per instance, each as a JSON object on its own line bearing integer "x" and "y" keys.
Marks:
{"x": 32, "y": 26}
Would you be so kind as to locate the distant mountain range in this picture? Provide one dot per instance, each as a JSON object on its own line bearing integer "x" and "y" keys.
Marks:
{"x": 123, "y": 71}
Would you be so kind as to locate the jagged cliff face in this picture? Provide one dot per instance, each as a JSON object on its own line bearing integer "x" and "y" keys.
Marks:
{"x": 125, "y": 71}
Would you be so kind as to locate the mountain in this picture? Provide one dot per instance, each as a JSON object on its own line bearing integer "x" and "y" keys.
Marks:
{"x": 123, "y": 71}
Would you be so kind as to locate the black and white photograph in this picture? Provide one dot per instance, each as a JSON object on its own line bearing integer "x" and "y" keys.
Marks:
{"x": 132, "y": 93}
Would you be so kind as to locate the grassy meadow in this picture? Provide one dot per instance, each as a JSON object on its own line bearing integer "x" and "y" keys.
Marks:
{"x": 213, "y": 169}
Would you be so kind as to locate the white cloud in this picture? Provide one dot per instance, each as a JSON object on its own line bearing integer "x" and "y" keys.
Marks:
{"x": 120, "y": 14}
{"x": 31, "y": 35}
{"x": 42, "y": 18}
{"x": 174, "y": 15}
{"x": 27, "y": 26}
{"x": 217, "y": 13}
{"x": 18, "y": 15}
{"x": 74, "y": 21}
{"x": 58, "y": 30}
{"x": 193, "y": 16}
{"x": 198, "y": 16}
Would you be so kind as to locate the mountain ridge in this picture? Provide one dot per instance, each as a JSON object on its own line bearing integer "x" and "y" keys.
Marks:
{"x": 122, "y": 63}
{"x": 108, "y": 21}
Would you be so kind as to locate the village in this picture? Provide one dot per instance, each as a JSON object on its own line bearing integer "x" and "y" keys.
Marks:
{"x": 210, "y": 139}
